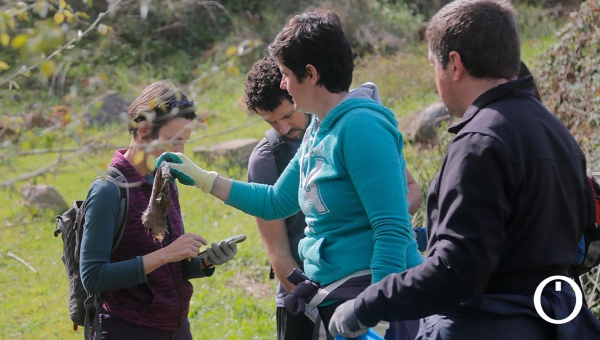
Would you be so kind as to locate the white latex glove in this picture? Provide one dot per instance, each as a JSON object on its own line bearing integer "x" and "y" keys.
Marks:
{"x": 345, "y": 323}
{"x": 221, "y": 253}
{"x": 187, "y": 172}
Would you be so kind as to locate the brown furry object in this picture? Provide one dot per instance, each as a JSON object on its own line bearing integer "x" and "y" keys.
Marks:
{"x": 155, "y": 216}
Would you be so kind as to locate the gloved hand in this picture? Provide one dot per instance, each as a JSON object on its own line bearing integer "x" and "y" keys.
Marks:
{"x": 221, "y": 253}
{"x": 345, "y": 323}
{"x": 187, "y": 172}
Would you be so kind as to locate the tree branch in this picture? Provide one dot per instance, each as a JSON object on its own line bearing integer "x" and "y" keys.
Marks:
{"x": 22, "y": 261}
{"x": 26, "y": 69}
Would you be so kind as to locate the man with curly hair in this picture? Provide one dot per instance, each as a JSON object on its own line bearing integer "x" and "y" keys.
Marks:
{"x": 267, "y": 161}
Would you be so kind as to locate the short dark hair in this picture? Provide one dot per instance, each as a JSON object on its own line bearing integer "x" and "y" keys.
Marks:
{"x": 316, "y": 38}
{"x": 262, "y": 86}
{"x": 483, "y": 32}
{"x": 159, "y": 104}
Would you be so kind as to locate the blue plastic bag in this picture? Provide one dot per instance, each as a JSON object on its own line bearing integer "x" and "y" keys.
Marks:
{"x": 370, "y": 335}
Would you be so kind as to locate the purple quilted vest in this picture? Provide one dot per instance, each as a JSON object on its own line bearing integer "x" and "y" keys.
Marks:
{"x": 163, "y": 302}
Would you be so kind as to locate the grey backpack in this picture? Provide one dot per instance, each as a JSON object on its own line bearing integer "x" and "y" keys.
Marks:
{"x": 83, "y": 306}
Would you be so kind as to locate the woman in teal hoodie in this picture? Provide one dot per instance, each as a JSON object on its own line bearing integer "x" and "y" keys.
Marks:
{"x": 348, "y": 176}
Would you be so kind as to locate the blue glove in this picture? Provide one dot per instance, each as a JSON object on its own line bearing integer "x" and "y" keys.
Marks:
{"x": 345, "y": 322}
{"x": 186, "y": 172}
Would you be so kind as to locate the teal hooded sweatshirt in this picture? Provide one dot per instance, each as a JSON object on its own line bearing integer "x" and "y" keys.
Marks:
{"x": 349, "y": 180}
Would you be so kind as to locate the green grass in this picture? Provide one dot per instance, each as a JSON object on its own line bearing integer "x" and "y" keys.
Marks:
{"x": 237, "y": 302}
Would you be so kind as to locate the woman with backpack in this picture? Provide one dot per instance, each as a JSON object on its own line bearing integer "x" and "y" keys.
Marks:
{"x": 144, "y": 283}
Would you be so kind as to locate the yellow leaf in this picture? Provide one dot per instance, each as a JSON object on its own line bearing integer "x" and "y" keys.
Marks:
{"x": 68, "y": 15}
{"x": 23, "y": 16}
{"x": 59, "y": 18}
{"x": 66, "y": 119}
{"x": 231, "y": 51}
{"x": 233, "y": 70}
{"x": 150, "y": 163}
{"x": 19, "y": 40}
{"x": 102, "y": 29}
{"x": 138, "y": 158}
{"x": 103, "y": 77}
{"x": 10, "y": 22}
{"x": 62, "y": 4}
{"x": 4, "y": 39}
{"x": 3, "y": 66}
{"x": 82, "y": 15}
{"x": 48, "y": 67}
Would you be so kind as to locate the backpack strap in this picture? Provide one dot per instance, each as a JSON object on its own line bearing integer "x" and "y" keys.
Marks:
{"x": 281, "y": 150}
{"x": 92, "y": 304}
{"x": 121, "y": 182}
{"x": 274, "y": 138}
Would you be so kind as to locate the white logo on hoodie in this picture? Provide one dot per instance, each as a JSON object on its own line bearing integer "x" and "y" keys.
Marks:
{"x": 312, "y": 194}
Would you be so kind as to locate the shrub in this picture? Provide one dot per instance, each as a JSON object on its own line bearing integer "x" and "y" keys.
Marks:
{"x": 569, "y": 78}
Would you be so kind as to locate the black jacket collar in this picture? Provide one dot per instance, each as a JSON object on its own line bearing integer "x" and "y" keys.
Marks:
{"x": 523, "y": 87}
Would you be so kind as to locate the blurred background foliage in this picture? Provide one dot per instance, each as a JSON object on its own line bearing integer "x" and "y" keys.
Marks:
{"x": 58, "y": 57}
{"x": 59, "y": 54}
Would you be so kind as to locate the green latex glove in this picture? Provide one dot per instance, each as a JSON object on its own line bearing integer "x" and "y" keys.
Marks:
{"x": 186, "y": 172}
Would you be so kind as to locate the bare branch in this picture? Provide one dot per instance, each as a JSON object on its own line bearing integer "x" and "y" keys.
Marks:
{"x": 26, "y": 69}
{"x": 22, "y": 261}
{"x": 89, "y": 147}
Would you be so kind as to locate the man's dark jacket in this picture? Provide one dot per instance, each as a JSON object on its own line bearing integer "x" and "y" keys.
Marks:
{"x": 504, "y": 213}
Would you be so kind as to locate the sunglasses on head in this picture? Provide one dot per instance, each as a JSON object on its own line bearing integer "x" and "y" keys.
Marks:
{"x": 183, "y": 103}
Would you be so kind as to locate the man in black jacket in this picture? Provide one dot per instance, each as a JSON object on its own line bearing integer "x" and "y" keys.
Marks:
{"x": 506, "y": 209}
